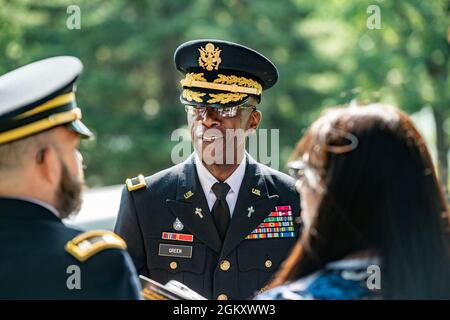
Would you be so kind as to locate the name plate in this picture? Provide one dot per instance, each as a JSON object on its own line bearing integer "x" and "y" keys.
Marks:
{"x": 171, "y": 250}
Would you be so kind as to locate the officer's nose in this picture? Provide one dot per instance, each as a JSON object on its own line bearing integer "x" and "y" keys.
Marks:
{"x": 210, "y": 118}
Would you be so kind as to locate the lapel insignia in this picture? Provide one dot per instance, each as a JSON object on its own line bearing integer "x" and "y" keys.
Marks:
{"x": 188, "y": 194}
{"x": 250, "y": 211}
{"x": 177, "y": 225}
{"x": 198, "y": 211}
{"x": 256, "y": 192}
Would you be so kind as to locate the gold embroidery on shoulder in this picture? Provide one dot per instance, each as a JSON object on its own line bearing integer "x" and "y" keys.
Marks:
{"x": 87, "y": 244}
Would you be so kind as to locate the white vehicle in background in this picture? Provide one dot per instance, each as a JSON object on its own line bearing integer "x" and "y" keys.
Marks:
{"x": 99, "y": 209}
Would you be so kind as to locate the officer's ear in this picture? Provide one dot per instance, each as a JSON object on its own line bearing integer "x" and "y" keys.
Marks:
{"x": 48, "y": 165}
{"x": 254, "y": 121}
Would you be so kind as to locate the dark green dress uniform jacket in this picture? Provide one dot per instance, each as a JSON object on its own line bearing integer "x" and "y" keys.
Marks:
{"x": 34, "y": 263}
{"x": 235, "y": 269}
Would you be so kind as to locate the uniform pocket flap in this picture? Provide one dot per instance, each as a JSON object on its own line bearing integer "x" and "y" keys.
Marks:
{"x": 265, "y": 255}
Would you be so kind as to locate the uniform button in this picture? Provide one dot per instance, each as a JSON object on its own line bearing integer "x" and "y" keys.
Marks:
{"x": 173, "y": 265}
{"x": 222, "y": 297}
{"x": 225, "y": 265}
{"x": 268, "y": 263}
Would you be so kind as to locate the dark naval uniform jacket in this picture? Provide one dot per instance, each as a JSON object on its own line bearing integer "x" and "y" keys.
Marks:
{"x": 167, "y": 225}
{"x": 40, "y": 257}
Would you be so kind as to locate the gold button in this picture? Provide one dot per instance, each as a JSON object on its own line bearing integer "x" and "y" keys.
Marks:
{"x": 173, "y": 265}
{"x": 225, "y": 265}
{"x": 268, "y": 263}
{"x": 222, "y": 297}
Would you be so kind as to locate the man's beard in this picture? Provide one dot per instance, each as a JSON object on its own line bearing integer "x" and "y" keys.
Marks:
{"x": 68, "y": 194}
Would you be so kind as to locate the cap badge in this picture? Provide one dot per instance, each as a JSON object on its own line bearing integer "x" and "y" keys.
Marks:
{"x": 209, "y": 57}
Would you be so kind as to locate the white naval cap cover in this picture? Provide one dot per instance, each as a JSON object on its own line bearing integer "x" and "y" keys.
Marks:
{"x": 40, "y": 96}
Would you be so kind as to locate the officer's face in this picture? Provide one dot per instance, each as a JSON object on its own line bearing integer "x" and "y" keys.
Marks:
{"x": 69, "y": 154}
{"x": 68, "y": 199}
{"x": 221, "y": 140}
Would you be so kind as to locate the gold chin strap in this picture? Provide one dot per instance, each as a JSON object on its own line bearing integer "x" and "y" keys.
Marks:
{"x": 41, "y": 125}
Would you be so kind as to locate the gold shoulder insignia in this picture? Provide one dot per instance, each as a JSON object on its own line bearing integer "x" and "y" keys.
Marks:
{"x": 136, "y": 183}
{"x": 89, "y": 243}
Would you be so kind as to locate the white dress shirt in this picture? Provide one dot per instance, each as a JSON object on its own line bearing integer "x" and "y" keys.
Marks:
{"x": 207, "y": 180}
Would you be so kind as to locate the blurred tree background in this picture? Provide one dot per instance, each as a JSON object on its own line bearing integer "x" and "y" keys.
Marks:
{"x": 325, "y": 52}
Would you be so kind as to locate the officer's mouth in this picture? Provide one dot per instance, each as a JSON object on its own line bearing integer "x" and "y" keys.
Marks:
{"x": 210, "y": 139}
{"x": 207, "y": 138}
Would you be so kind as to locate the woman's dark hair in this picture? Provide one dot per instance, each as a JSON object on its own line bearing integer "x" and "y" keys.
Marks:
{"x": 380, "y": 194}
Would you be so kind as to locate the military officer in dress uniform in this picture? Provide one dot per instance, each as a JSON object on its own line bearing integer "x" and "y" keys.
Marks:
{"x": 40, "y": 184}
{"x": 220, "y": 222}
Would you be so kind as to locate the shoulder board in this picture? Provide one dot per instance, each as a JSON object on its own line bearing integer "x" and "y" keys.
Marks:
{"x": 136, "y": 183}
{"x": 87, "y": 244}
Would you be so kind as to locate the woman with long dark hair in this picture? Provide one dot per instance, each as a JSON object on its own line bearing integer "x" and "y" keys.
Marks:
{"x": 375, "y": 217}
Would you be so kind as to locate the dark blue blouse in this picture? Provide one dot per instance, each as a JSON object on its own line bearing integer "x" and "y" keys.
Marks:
{"x": 341, "y": 280}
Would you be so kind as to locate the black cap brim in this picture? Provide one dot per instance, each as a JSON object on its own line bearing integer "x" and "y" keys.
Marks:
{"x": 79, "y": 127}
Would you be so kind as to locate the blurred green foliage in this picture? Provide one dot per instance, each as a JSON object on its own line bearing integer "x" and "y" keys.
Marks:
{"x": 326, "y": 55}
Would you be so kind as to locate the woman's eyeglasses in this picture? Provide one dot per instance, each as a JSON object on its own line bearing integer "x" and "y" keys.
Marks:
{"x": 300, "y": 171}
{"x": 223, "y": 112}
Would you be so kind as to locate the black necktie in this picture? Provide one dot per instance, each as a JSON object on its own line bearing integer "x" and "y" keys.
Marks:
{"x": 220, "y": 210}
